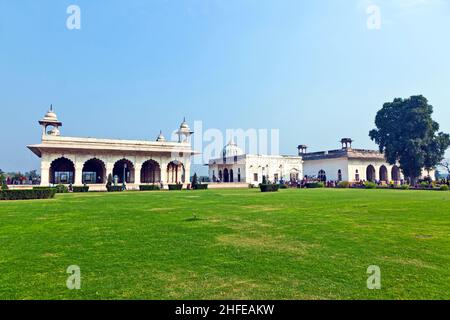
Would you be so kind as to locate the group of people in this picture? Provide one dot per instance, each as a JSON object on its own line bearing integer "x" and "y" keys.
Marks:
{"x": 22, "y": 181}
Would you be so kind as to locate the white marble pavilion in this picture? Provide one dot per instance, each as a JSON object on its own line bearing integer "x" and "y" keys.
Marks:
{"x": 79, "y": 161}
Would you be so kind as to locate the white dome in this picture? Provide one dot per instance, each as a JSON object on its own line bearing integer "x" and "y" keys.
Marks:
{"x": 50, "y": 116}
{"x": 184, "y": 127}
{"x": 160, "y": 138}
{"x": 231, "y": 150}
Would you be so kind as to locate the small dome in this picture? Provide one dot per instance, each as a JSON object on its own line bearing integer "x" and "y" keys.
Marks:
{"x": 50, "y": 116}
{"x": 231, "y": 150}
{"x": 160, "y": 138}
{"x": 184, "y": 126}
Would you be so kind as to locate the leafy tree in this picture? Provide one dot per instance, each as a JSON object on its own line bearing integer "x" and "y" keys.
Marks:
{"x": 406, "y": 133}
{"x": 3, "y": 185}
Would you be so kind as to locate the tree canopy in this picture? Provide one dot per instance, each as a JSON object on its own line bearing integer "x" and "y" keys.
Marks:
{"x": 407, "y": 133}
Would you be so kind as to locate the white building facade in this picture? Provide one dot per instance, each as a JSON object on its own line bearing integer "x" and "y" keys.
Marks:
{"x": 79, "y": 161}
{"x": 353, "y": 165}
{"x": 237, "y": 167}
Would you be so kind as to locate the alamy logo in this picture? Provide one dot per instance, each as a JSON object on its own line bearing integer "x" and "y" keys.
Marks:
{"x": 374, "y": 279}
{"x": 374, "y": 19}
{"x": 73, "y": 22}
{"x": 74, "y": 280}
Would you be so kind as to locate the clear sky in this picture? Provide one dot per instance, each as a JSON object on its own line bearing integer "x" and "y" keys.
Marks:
{"x": 311, "y": 68}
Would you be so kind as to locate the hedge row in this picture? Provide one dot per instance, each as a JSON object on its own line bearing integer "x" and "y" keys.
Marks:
{"x": 269, "y": 187}
{"x": 315, "y": 185}
{"x": 80, "y": 189}
{"x": 149, "y": 188}
{"x": 200, "y": 187}
{"x": 41, "y": 193}
{"x": 114, "y": 188}
{"x": 60, "y": 188}
{"x": 175, "y": 186}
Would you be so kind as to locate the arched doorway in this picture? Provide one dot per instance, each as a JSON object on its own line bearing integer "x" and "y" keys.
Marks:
{"x": 294, "y": 175}
{"x": 124, "y": 167}
{"x": 322, "y": 176}
{"x": 231, "y": 175}
{"x": 175, "y": 172}
{"x": 226, "y": 176}
{"x": 94, "y": 171}
{"x": 62, "y": 171}
{"x": 239, "y": 175}
{"x": 395, "y": 173}
{"x": 370, "y": 173}
{"x": 220, "y": 176}
{"x": 383, "y": 174}
{"x": 151, "y": 172}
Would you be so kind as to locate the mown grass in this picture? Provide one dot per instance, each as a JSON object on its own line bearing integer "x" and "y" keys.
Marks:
{"x": 228, "y": 244}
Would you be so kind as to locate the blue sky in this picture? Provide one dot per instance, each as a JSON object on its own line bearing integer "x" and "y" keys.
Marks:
{"x": 310, "y": 68}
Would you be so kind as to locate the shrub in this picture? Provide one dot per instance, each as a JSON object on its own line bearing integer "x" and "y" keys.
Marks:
{"x": 149, "y": 188}
{"x": 282, "y": 186}
{"x": 60, "y": 188}
{"x": 370, "y": 185}
{"x": 424, "y": 185}
{"x": 404, "y": 187}
{"x": 444, "y": 187}
{"x": 80, "y": 189}
{"x": 3, "y": 185}
{"x": 315, "y": 185}
{"x": 174, "y": 187}
{"x": 269, "y": 187}
{"x": 114, "y": 188}
{"x": 344, "y": 184}
{"x": 200, "y": 186}
{"x": 41, "y": 193}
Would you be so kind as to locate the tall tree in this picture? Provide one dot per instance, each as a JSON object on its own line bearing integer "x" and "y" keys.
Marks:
{"x": 407, "y": 133}
{"x": 445, "y": 165}
{"x": 32, "y": 174}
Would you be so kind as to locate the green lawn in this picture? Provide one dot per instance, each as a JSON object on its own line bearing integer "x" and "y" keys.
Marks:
{"x": 294, "y": 244}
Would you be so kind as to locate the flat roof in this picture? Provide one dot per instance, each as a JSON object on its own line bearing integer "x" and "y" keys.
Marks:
{"x": 90, "y": 144}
